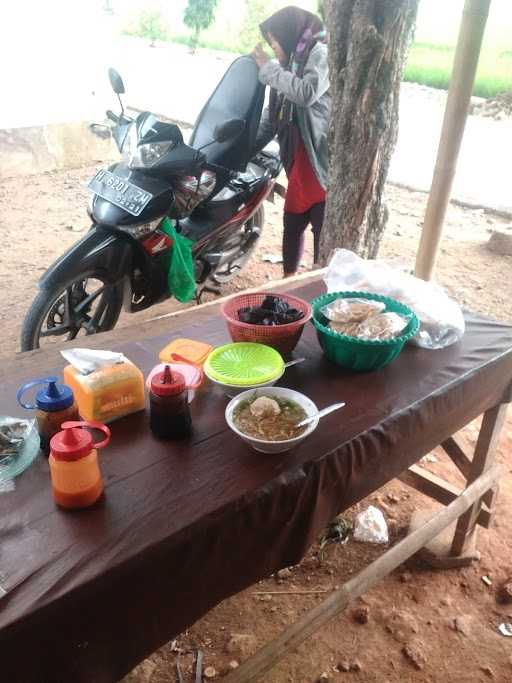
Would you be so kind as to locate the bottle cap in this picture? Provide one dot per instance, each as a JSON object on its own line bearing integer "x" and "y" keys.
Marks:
{"x": 74, "y": 442}
{"x": 167, "y": 383}
{"x": 52, "y": 398}
{"x": 192, "y": 374}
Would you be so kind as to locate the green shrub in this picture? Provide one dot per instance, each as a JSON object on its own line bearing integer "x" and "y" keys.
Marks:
{"x": 256, "y": 11}
{"x": 150, "y": 25}
{"x": 199, "y": 15}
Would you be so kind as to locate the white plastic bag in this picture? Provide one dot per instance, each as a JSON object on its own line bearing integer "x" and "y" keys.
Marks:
{"x": 442, "y": 322}
{"x": 370, "y": 526}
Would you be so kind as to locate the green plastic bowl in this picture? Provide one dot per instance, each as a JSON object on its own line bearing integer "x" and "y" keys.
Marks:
{"x": 361, "y": 355}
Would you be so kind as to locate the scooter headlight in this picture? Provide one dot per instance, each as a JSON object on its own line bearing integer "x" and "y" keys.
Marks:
{"x": 142, "y": 156}
{"x": 139, "y": 232}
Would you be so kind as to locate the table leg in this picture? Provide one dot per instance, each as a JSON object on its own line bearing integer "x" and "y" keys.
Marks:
{"x": 262, "y": 661}
{"x": 483, "y": 459}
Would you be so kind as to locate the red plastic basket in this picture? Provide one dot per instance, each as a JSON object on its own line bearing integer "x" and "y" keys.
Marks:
{"x": 283, "y": 338}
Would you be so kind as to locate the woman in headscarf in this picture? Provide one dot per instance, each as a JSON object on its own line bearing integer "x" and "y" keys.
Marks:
{"x": 298, "y": 113}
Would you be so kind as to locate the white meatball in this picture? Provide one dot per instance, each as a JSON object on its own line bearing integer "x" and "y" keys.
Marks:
{"x": 265, "y": 407}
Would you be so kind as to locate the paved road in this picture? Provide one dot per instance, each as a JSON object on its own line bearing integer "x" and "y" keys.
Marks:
{"x": 484, "y": 166}
{"x": 68, "y": 82}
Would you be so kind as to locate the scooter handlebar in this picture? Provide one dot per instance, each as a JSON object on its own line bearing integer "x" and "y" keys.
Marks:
{"x": 112, "y": 116}
{"x": 220, "y": 169}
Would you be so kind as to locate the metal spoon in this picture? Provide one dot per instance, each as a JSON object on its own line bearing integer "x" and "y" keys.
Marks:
{"x": 294, "y": 362}
{"x": 321, "y": 413}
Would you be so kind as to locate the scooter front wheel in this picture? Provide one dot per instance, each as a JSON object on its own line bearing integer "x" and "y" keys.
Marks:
{"x": 87, "y": 305}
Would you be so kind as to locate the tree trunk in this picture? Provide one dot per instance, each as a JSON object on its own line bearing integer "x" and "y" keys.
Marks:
{"x": 368, "y": 42}
{"x": 195, "y": 39}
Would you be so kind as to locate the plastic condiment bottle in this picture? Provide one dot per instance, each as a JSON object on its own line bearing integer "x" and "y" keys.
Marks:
{"x": 169, "y": 410}
{"x": 74, "y": 467}
{"x": 54, "y": 404}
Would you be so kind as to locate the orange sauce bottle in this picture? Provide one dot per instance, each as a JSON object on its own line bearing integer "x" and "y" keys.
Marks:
{"x": 74, "y": 468}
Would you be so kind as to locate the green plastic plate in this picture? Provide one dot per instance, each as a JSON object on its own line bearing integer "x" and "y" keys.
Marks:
{"x": 244, "y": 364}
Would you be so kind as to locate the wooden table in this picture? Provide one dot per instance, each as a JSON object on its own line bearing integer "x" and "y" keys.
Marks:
{"x": 88, "y": 595}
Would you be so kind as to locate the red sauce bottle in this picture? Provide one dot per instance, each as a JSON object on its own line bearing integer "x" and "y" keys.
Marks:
{"x": 169, "y": 410}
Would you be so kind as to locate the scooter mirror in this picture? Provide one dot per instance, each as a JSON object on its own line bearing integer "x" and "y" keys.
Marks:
{"x": 228, "y": 130}
{"x": 116, "y": 82}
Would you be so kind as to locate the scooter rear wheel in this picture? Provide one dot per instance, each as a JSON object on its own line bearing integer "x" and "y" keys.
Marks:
{"x": 88, "y": 304}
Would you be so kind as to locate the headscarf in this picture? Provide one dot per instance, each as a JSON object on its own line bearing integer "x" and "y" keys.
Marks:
{"x": 288, "y": 26}
{"x": 297, "y": 32}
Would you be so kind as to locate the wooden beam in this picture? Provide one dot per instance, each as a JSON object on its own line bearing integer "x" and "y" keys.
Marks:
{"x": 488, "y": 507}
{"x": 437, "y": 488}
{"x": 255, "y": 667}
{"x": 458, "y": 456}
{"x": 469, "y": 44}
{"x": 483, "y": 460}
{"x": 430, "y": 484}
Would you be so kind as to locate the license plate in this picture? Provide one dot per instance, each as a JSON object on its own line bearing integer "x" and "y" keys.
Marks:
{"x": 120, "y": 192}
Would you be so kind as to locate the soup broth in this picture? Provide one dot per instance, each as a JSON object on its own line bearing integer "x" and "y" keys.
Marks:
{"x": 270, "y": 426}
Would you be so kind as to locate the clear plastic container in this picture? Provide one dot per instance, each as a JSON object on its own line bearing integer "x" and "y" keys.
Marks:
{"x": 187, "y": 350}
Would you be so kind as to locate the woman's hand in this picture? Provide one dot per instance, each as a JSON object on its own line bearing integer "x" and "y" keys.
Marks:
{"x": 259, "y": 55}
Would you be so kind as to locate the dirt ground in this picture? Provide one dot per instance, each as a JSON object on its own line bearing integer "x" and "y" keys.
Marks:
{"x": 449, "y": 618}
{"x": 49, "y": 215}
{"x": 414, "y": 606}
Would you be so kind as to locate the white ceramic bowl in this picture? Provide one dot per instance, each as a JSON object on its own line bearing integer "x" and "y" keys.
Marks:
{"x": 232, "y": 390}
{"x": 273, "y": 392}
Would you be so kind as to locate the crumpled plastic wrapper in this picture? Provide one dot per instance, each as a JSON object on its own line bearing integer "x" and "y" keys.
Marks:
{"x": 370, "y": 526}
{"x": 13, "y": 433}
{"x": 505, "y": 629}
{"x": 351, "y": 310}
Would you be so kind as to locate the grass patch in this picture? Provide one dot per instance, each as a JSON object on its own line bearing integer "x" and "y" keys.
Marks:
{"x": 432, "y": 65}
